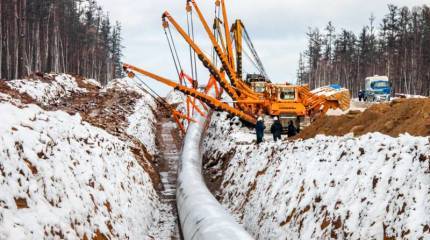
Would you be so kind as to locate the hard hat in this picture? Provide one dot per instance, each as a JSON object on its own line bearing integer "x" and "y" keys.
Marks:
{"x": 275, "y": 118}
{"x": 259, "y": 119}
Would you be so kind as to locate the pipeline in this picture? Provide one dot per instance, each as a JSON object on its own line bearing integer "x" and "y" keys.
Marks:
{"x": 202, "y": 217}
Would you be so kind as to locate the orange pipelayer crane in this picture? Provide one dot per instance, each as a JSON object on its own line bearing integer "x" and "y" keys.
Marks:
{"x": 252, "y": 97}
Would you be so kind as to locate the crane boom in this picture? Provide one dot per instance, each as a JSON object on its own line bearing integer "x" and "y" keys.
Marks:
{"x": 203, "y": 58}
{"x": 258, "y": 95}
{"x": 210, "y": 101}
{"x": 227, "y": 34}
{"x": 237, "y": 31}
{"x": 231, "y": 73}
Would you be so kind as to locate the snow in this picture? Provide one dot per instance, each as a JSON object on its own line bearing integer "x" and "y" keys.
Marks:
{"x": 126, "y": 84}
{"x": 327, "y": 91}
{"x": 178, "y": 100}
{"x": 78, "y": 170}
{"x": 142, "y": 124}
{"x": 62, "y": 178}
{"x": 351, "y": 188}
{"x": 355, "y": 105}
{"x": 408, "y": 96}
{"x": 92, "y": 82}
{"x": 48, "y": 92}
{"x": 8, "y": 98}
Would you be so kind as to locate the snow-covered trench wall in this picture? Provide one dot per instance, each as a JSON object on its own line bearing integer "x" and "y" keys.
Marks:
{"x": 201, "y": 215}
{"x": 369, "y": 187}
{"x": 63, "y": 178}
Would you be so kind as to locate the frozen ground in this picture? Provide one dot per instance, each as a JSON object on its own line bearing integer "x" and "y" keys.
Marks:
{"x": 50, "y": 91}
{"x": 371, "y": 187}
{"x": 62, "y": 178}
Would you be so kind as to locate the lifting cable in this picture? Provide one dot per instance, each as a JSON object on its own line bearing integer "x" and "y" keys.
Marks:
{"x": 190, "y": 15}
{"x": 153, "y": 94}
{"x": 175, "y": 52}
{"x": 173, "y": 55}
{"x": 193, "y": 57}
{"x": 252, "y": 61}
{"x": 254, "y": 52}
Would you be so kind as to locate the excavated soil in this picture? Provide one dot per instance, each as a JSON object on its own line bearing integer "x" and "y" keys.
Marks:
{"x": 107, "y": 110}
{"x": 400, "y": 116}
{"x": 22, "y": 97}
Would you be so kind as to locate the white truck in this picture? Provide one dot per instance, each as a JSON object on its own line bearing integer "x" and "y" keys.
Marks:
{"x": 377, "y": 88}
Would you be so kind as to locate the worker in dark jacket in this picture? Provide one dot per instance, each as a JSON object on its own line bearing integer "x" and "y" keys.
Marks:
{"x": 292, "y": 130}
{"x": 361, "y": 95}
{"x": 259, "y": 128}
{"x": 276, "y": 129}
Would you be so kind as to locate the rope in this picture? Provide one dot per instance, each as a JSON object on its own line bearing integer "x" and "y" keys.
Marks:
{"x": 174, "y": 48}
{"x": 252, "y": 61}
{"x": 153, "y": 94}
{"x": 173, "y": 55}
{"x": 254, "y": 52}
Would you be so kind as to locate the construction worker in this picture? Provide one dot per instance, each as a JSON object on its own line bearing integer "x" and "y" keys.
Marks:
{"x": 361, "y": 95}
{"x": 276, "y": 129}
{"x": 259, "y": 128}
{"x": 292, "y": 130}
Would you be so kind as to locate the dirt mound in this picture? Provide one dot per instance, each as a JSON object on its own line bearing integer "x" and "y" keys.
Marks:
{"x": 397, "y": 117}
{"x": 108, "y": 110}
{"x": 24, "y": 98}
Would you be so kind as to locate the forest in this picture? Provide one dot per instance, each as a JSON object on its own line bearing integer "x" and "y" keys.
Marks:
{"x": 398, "y": 47}
{"x": 62, "y": 36}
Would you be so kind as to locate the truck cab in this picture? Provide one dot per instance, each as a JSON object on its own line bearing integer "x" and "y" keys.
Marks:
{"x": 377, "y": 88}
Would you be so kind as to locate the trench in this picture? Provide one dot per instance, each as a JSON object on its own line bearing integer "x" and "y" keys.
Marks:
{"x": 169, "y": 144}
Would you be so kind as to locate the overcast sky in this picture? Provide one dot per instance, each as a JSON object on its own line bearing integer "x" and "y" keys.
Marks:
{"x": 277, "y": 28}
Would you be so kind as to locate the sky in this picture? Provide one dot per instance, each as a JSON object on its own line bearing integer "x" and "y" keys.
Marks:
{"x": 277, "y": 28}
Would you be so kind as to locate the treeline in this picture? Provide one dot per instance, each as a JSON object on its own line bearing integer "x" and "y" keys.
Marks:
{"x": 399, "y": 47}
{"x": 70, "y": 36}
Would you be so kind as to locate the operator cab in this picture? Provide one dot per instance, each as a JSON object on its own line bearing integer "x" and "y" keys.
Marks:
{"x": 284, "y": 93}
{"x": 257, "y": 82}
{"x": 287, "y": 94}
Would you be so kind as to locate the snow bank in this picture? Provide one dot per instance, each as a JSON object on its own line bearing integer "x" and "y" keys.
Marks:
{"x": 178, "y": 100}
{"x": 408, "y": 96}
{"x": 327, "y": 91}
{"x": 92, "y": 82}
{"x": 176, "y": 97}
{"x": 356, "y": 105}
{"x": 370, "y": 187}
{"x": 47, "y": 92}
{"x": 61, "y": 177}
{"x": 142, "y": 124}
{"x": 126, "y": 84}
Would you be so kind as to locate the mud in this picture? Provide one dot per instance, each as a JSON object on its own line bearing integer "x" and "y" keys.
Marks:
{"x": 400, "y": 116}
